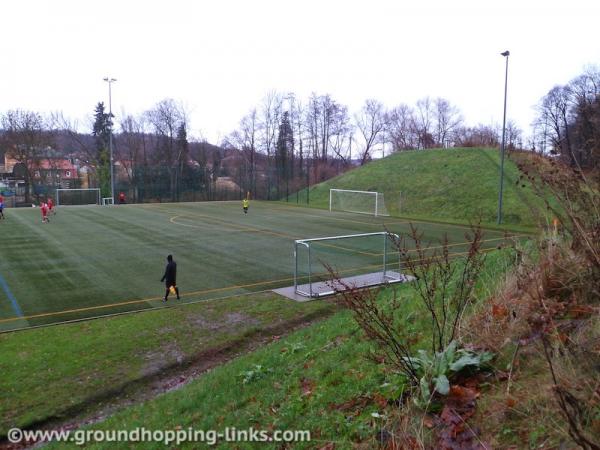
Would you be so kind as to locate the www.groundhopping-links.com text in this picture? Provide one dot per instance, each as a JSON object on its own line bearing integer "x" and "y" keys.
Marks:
{"x": 142, "y": 434}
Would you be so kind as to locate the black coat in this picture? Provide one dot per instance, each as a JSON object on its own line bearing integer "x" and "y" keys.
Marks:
{"x": 170, "y": 276}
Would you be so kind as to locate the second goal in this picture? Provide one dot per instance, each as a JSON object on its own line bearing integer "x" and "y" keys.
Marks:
{"x": 77, "y": 196}
{"x": 362, "y": 202}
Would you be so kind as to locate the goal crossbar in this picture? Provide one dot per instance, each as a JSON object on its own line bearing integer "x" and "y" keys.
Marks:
{"x": 384, "y": 276}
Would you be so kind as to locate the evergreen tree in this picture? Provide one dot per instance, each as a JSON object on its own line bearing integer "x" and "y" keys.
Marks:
{"x": 284, "y": 152}
{"x": 101, "y": 131}
{"x": 182, "y": 154}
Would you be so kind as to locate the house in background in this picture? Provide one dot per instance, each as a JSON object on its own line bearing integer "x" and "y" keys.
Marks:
{"x": 12, "y": 186}
{"x": 58, "y": 173}
{"x": 48, "y": 174}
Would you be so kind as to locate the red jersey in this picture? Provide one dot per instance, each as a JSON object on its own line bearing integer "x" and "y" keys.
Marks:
{"x": 1, "y": 199}
{"x": 50, "y": 203}
{"x": 44, "y": 209}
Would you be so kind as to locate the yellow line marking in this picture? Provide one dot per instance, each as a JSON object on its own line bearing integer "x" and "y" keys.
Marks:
{"x": 194, "y": 293}
{"x": 130, "y": 302}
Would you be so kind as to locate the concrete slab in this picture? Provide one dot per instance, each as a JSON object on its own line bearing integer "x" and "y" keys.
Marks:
{"x": 323, "y": 289}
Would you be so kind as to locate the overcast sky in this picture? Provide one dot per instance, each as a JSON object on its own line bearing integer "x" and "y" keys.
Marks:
{"x": 220, "y": 57}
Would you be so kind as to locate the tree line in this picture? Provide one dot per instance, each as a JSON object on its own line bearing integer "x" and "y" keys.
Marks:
{"x": 286, "y": 143}
{"x": 308, "y": 140}
{"x": 568, "y": 122}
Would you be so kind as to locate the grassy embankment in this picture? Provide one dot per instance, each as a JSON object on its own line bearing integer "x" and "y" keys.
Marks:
{"x": 319, "y": 379}
{"x": 456, "y": 185}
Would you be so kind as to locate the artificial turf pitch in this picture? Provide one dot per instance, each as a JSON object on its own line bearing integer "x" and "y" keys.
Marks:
{"x": 92, "y": 261}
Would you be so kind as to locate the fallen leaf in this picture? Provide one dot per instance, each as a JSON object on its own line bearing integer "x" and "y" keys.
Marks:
{"x": 499, "y": 311}
{"x": 307, "y": 386}
{"x": 428, "y": 421}
{"x": 380, "y": 400}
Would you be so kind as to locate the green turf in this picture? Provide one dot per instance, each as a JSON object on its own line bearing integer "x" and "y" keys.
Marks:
{"x": 319, "y": 379}
{"x": 455, "y": 185}
{"x": 92, "y": 261}
{"x": 64, "y": 370}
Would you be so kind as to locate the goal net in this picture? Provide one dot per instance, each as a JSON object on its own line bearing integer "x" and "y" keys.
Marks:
{"x": 78, "y": 197}
{"x": 362, "y": 202}
{"x": 358, "y": 260}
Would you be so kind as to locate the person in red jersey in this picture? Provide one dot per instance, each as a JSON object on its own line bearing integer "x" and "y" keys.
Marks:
{"x": 122, "y": 200}
{"x": 51, "y": 208}
{"x": 44, "y": 209}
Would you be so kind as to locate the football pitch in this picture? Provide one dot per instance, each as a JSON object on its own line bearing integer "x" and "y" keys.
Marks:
{"x": 93, "y": 261}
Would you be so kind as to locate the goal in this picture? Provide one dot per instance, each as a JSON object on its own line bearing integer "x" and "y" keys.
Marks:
{"x": 359, "y": 260}
{"x": 362, "y": 202}
{"x": 78, "y": 197}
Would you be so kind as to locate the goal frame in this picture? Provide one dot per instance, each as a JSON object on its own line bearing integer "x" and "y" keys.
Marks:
{"x": 374, "y": 193}
{"x": 387, "y": 276}
{"x": 98, "y": 196}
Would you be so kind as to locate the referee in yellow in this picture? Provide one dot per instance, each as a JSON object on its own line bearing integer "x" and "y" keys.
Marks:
{"x": 245, "y": 204}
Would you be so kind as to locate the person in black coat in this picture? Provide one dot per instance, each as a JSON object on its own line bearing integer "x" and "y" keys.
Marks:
{"x": 170, "y": 277}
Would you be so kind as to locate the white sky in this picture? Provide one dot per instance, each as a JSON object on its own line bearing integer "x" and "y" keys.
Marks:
{"x": 220, "y": 57}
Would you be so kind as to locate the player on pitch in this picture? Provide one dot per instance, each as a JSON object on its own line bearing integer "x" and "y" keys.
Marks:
{"x": 246, "y": 203}
{"x": 51, "y": 208}
{"x": 2, "y": 206}
{"x": 170, "y": 278}
{"x": 44, "y": 210}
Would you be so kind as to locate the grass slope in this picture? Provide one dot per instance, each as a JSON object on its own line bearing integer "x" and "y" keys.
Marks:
{"x": 319, "y": 379}
{"x": 459, "y": 184}
{"x": 62, "y": 371}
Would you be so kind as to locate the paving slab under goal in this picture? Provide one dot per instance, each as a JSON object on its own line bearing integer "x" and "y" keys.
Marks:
{"x": 323, "y": 289}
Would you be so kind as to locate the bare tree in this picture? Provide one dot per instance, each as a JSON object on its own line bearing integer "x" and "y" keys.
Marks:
{"x": 447, "y": 119}
{"x": 424, "y": 123}
{"x": 341, "y": 131}
{"x": 312, "y": 124}
{"x": 25, "y": 138}
{"x": 401, "y": 128}
{"x": 370, "y": 122}
{"x": 554, "y": 110}
{"x": 245, "y": 140}
{"x": 132, "y": 151}
{"x": 270, "y": 114}
{"x": 166, "y": 119}
{"x": 513, "y": 135}
{"x": 585, "y": 117}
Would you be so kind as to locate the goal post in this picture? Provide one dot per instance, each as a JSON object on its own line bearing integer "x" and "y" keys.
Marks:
{"x": 361, "y": 260}
{"x": 90, "y": 196}
{"x": 361, "y": 202}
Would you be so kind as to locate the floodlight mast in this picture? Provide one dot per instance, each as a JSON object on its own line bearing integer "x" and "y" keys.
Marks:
{"x": 110, "y": 81}
{"x": 505, "y": 54}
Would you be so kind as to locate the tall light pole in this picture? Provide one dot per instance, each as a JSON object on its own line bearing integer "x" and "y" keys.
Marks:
{"x": 110, "y": 81}
{"x": 505, "y": 54}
